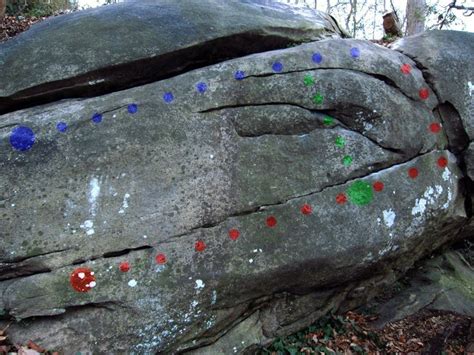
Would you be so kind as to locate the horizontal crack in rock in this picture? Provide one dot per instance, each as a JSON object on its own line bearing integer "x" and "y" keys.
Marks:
{"x": 278, "y": 103}
{"x": 145, "y": 71}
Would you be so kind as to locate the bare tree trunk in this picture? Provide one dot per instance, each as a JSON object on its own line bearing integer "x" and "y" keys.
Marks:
{"x": 3, "y": 6}
{"x": 348, "y": 18}
{"x": 415, "y": 16}
{"x": 354, "y": 17}
{"x": 374, "y": 20}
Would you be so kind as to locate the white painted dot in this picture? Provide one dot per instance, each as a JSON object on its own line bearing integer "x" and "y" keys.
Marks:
{"x": 92, "y": 284}
{"x": 81, "y": 275}
{"x": 132, "y": 283}
{"x": 389, "y": 217}
{"x": 199, "y": 284}
{"x": 250, "y": 261}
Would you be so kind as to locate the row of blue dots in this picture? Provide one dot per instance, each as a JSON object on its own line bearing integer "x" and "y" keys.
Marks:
{"x": 277, "y": 67}
{"x": 22, "y": 138}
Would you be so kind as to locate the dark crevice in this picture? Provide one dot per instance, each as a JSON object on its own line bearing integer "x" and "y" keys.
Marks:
{"x": 26, "y": 266}
{"x": 20, "y": 259}
{"x": 276, "y": 103}
{"x": 8, "y": 125}
{"x": 85, "y": 260}
{"x": 9, "y": 271}
{"x": 458, "y": 140}
{"x": 144, "y": 71}
{"x": 336, "y": 113}
{"x": 377, "y": 76}
{"x": 107, "y": 305}
{"x": 113, "y": 254}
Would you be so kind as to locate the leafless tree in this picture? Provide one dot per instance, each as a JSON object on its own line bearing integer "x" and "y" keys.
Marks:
{"x": 415, "y": 16}
{"x": 3, "y": 6}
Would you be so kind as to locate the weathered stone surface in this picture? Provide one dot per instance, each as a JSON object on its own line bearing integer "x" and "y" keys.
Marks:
{"x": 442, "y": 282}
{"x": 292, "y": 155}
{"x": 446, "y": 58}
{"x": 469, "y": 159}
{"x": 110, "y": 48}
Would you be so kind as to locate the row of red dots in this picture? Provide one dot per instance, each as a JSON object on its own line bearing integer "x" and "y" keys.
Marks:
{"x": 424, "y": 93}
{"x": 306, "y": 209}
{"x": 271, "y": 221}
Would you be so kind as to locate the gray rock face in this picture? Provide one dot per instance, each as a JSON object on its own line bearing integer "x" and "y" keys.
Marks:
{"x": 111, "y": 48}
{"x": 246, "y": 198}
{"x": 446, "y": 58}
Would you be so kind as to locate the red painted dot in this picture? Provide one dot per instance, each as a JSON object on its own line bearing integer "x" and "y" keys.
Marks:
{"x": 161, "y": 259}
{"x": 124, "y": 266}
{"x": 234, "y": 234}
{"x": 378, "y": 186}
{"x": 82, "y": 279}
{"x": 406, "y": 68}
{"x": 341, "y": 198}
{"x": 306, "y": 209}
{"x": 271, "y": 221}
{"x": 413, "y": 173}
{"x": 424, "y": 93}
{"x": 435, "y": 127}
{"x": 442, "y": 162}
{"x": 199, "y": 245}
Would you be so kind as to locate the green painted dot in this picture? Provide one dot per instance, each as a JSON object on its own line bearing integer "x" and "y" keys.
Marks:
{"x": 360, "y": 193}
{"x": 347, "y": 160}
{"x": 340, "y": 141}
{"x": 308, "y": 80}
{"x": 318, "y": 99}
{"x": 327, "y": 120}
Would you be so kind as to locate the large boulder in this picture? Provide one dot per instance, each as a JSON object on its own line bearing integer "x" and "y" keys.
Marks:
{"x": 224, "y": 206}
{"x": 111, "y": 48}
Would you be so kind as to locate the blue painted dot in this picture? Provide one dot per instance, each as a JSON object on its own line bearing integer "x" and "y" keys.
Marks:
{"x": 97, "y": 118}
{"x": 317, "y": 58}
{"x": 132, "y": 108}
{"x": 277, "y": 67}
{"x": 61, "y": 126}
{"x": 22, "y": 138}
{"x": 239, "y": 75}
{"x": 201, "y": 87}
{"x": 168, "y": 97}
{"x": 355, "y": 52}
